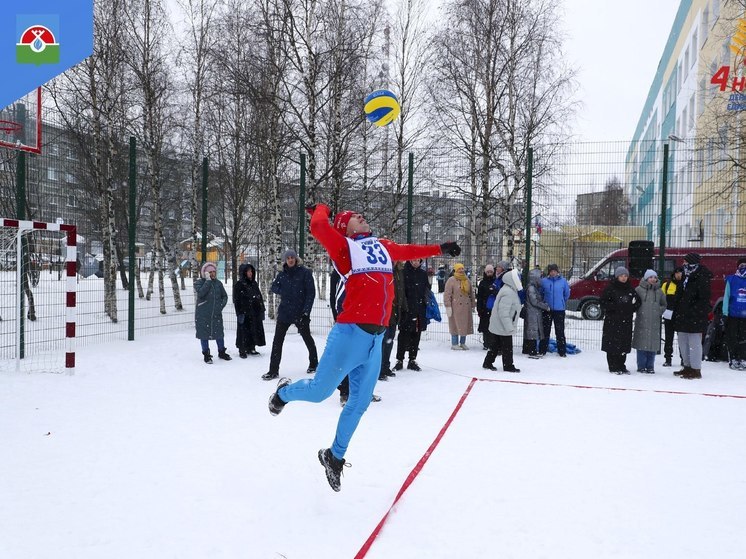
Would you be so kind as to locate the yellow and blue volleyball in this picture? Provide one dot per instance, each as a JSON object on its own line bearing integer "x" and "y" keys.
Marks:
{"x": 382, "y": 107}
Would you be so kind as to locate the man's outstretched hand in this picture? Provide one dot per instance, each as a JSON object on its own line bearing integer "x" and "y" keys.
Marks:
{"x": 450, "y": 248}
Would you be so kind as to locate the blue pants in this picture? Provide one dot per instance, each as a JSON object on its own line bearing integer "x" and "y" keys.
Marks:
{"x": 349, "y": 351}
{"x": 645, "y": 359}
{"x": 206, "y": 346}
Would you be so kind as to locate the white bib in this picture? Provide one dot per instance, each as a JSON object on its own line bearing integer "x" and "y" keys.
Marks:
{"x": 369, "y": 255}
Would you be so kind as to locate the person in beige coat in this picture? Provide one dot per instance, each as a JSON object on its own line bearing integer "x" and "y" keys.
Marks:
{"x": 459, "y": 300}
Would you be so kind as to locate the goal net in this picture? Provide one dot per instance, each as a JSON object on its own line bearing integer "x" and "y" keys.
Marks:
{"x": 37, "y": 296}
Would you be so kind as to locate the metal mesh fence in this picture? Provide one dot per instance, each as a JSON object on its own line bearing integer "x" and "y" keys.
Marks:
{"x": 588, "y": 200}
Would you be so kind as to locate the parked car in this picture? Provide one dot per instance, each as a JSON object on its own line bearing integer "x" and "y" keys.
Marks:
{"x": 585, "y": 292}
{"x": 92, "y": 266}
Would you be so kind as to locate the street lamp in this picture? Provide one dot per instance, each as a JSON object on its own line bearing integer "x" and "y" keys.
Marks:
{"x": 426, "y": 229}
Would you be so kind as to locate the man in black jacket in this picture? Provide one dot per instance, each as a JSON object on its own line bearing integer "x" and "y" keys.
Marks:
{"x": 690, "y": 314}
{"x": 295, "y": 286}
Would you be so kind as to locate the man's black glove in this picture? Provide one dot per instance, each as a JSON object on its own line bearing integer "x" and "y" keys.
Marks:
{"x": 304, "y": 320}
{"x": 311, "y": 208}
{"x": 451, "y": 248}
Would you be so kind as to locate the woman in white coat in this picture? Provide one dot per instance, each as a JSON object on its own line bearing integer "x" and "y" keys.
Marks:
{"x": 502, "y": 322}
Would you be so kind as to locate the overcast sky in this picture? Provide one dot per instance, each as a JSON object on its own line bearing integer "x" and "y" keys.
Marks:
{"x": 616, "y": 47}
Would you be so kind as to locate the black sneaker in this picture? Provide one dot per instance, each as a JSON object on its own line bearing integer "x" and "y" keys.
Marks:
{"x": 275, "y": 402}
{"x": 270, "y": 376}
{"x": 310, "y": 370}
{"x": 253, "y": 352}
{"x": 511, "y": 369}
{"x": 383, "y": 376}
{"x": 390, "y": 373}
{"x": 333, "y": 467}
{"x": 667, "y": 363}
{"x": 243, "y": 354}
{"x": 222, "y": 354}
{"x": 399, "y": 365}
{"x": 489, "y": 367}
{"x": 413, "y": 366}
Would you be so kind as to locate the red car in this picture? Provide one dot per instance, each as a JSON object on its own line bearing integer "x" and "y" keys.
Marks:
{"x": 585, "y": 291}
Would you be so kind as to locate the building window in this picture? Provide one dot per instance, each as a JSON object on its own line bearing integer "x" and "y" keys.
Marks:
{"x": 691, "y": 111}
{"x": 686, "y": 63}
{"x": 52, "y": 174}
{"x": 71, "y": 201}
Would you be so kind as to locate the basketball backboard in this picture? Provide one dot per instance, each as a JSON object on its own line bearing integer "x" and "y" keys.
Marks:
{"x": 21, "y": 124}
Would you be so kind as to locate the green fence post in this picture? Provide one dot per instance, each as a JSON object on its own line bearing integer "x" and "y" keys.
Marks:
{"x": 529, "y": 184}
{"x": 302, "y": 208}
{"x": 205, "y": 174}
{"x": 410, "y": 196}
{"x": 664, "y": 203}
{"x": 131, "y": 234}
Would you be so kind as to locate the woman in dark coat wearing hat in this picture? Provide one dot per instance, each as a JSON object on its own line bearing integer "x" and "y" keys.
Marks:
{"x": 619, "y": 302}
{"x": 249, "y": 305}
{"x": 690, "y": 314}
{"x": 208, "y": 313}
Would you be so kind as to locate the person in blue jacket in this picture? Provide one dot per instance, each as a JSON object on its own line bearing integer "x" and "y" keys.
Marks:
{"x": 734, "y": 308}
{"x": 295, "y": 286}
{"x": 556, "y": 292}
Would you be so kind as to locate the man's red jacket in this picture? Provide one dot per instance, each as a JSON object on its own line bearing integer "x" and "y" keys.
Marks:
{"x": 369, "y": 296}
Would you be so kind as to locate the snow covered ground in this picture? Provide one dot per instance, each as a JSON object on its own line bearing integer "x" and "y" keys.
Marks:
{"x": 146, "y": 452}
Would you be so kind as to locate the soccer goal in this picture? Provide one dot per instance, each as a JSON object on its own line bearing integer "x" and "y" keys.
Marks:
{"x": 38, "y": 278}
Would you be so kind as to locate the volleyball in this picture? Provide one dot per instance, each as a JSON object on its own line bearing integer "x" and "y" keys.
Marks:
{"x": 381, "y": 107}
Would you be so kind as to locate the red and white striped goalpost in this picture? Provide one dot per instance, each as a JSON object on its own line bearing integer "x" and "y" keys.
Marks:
{"x": 70, "y": 280}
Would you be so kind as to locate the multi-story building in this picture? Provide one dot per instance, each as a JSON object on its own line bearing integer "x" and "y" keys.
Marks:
{"x": 693, "y": 106}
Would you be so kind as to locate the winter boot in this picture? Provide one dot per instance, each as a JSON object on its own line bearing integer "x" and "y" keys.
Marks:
{"x": 692, "y": 374}
{"x": 311, "y": 370}
{"x": 383, "y": 377}
{"x": 270, "y": 376}
{"x": 242, "y": 354}
{"x": 208, "y": 357}
{"x": 413, "y": 366}
{"x": 343, "y": 399}
{"x": 222, "y": 354}
{"x": 333, "y": 467}
{"x": 488, "y": 366}
{"x": 667, "y": 363}
{"x": 275, "y": 402}
{"x": 399, "y": 365}
{"x": 511, "y": 369}
{"x": 682, "y": 372}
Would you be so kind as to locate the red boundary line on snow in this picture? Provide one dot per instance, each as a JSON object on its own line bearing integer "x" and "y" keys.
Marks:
{"x": 425, "y": 457}
{"x": 415, "y": 472}
{"x": 617, "y": 388}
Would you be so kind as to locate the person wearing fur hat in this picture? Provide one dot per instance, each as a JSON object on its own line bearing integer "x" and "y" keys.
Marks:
{"x": 670, "y": 287}
{"x": 734, "y": 309}
{"x": 533, "y": 324}
{"x": 556, "y": 292}
{"x": 353, "y": 347}
{"x": 505, "y": 313}
{"x": 619, "y": 302}
{"x": 249, "y": 305}
{"x": 208, "y": 312}
{"x": 297, "y": 291}
{"x": 459, "y": 302}
{"x": 691, "y": 314}
{"x": 647, "y": 336}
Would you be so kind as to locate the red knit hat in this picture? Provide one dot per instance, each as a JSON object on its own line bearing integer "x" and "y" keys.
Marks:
{"x": 341, "y": 220}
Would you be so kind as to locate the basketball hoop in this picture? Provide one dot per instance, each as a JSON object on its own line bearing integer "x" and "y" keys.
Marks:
{"x": 10, "y": 127}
